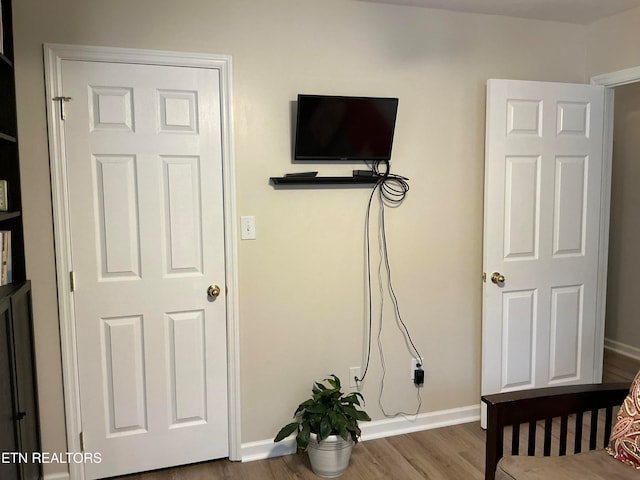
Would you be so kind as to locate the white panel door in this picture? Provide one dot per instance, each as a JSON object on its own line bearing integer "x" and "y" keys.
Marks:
{"x": 143, "y": 149}
{"x": 543, "y": 176}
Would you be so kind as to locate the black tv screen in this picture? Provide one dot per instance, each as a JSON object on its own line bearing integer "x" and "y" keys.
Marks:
{"x": 344, "y": 128}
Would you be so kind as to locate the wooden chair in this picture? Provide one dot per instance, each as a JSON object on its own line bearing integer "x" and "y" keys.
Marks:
{"x": 544, "y": 404}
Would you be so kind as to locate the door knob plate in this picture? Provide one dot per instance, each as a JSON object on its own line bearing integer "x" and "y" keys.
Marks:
{"x": 213, "y": 291}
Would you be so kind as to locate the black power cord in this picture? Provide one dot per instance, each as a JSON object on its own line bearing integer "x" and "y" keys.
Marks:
{"x": 391, "y": 189}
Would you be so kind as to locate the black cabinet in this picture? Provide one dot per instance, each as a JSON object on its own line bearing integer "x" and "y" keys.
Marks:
{"x": 8, "y": 439}
{"x": 19, "y": 431}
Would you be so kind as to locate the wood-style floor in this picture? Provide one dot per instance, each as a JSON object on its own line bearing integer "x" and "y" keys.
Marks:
{"x": 450, "y": 453}
{"x": 618, "y": 368}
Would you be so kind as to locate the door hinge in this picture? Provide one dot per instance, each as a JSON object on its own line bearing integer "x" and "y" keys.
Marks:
{"x": 62, "y": 100}
{"x": 82, "y": 441}
{"x": 72, "y": 281}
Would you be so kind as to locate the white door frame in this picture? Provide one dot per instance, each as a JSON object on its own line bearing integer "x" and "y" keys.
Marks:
{"x": 54, "y": 54}
{"x": 609, "y": 81}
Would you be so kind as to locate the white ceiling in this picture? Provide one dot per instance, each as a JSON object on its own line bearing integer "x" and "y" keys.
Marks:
{"x": 568, "y": 11}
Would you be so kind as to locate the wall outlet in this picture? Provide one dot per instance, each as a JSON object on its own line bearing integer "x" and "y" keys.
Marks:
{"x": 414, "y": 365}
{"x": 353, "y": 373}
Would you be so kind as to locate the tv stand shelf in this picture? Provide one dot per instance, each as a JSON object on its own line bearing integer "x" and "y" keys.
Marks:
{"x": 324, "y": 180}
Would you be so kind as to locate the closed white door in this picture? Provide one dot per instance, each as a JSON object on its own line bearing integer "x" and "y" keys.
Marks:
{"x": 543, "y": 174}
{"x": 144, "y": 169}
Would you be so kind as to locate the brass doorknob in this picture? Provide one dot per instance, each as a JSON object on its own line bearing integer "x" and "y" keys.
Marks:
{"x": 213, "y": 291}
{"x": 497, "y": 278}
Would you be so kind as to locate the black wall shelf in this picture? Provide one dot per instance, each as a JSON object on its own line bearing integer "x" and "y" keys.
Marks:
{"x": 6, "y": 60}
{"x": 324, "y": 180}
{"x": 8, "y": 215}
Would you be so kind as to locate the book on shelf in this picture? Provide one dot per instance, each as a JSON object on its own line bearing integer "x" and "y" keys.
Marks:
{"x": 1, "y": 32}
{"x": 4, "y": 204}
{"x": 6, "y": 274}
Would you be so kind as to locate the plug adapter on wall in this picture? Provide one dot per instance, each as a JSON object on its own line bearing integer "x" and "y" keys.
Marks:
{"x": 353, "y": 373}
{"x": 414, "y": 366}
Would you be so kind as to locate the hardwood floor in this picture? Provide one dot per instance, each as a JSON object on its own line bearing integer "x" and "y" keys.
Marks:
{"x": 618, "y": 368}
{"x": 450, "y": 453}
{"x": 442, "y": 454}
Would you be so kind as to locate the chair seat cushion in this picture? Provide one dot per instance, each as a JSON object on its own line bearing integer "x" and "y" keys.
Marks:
{"x": 625, "y": 437}
{"x": 594, "y": 465}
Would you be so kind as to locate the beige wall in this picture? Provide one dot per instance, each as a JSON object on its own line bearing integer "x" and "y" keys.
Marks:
{"x": 612, "y": 43}
{"x": 611, "y": 47}
{"x": 301, "y": 282}
{"x": 623, "y": 302}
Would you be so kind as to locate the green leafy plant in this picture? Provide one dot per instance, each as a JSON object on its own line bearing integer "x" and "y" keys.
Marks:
{"x": 327, "y": 412}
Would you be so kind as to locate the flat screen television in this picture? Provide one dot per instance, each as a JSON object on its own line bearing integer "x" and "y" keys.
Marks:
{"x": 344, "y": 128}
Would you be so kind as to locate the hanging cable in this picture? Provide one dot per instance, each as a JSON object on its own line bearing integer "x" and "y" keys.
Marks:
{"x": 368, "y": 274}
{"x": 392, "y": 293}
{"x": 392, "y": 189}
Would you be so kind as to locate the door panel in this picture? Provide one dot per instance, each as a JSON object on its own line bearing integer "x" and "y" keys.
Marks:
{"x": 566, "y": 322}
{"x": 570, "y": 207}
{"x": 518, "y": 327}
{"x": 542, "y": 214}
{"x": 123, "y": 354}
{"x": 119, "y": 235}
{"x": 522, "y": 207}
{"x": 187, "y": 365}
{"x": 182, "y": 227}
{"x": 144, "y": 159}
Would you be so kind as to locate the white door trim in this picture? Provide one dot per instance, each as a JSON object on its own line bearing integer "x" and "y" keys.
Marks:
{"x": 609, "y": 81}
{"x": 54, "y": 54}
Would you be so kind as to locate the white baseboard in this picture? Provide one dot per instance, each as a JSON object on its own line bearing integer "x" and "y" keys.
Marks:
{"x": 622, "y": 349}
{"x": 370, "y": 431}
{"x": 57, "y": 476}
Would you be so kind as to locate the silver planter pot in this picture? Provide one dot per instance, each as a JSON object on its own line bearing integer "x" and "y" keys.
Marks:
{"x": 329, "y": 458}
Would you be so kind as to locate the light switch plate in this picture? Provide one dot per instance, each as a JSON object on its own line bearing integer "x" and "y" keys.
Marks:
{"x": 248, "y": 227}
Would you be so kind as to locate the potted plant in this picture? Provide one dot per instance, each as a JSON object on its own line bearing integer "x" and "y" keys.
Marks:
{"x": 327, "y": 427}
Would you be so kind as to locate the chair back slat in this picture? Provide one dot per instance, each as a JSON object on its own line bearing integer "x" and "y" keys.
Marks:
{"x": 607, "y": 424}
{"x": 593, "y": 435}
{"x": 564, "y": 423}
{"x": 515, "y": 439}
{"x": 577, "y": 446}
{"x": 548, "y": 426}
{"x": 532, "y": 438}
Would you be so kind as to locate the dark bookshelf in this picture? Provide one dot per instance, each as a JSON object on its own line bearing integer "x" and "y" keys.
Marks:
{"x": 10, "y": 220}
{"x": 19, "y": 421}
